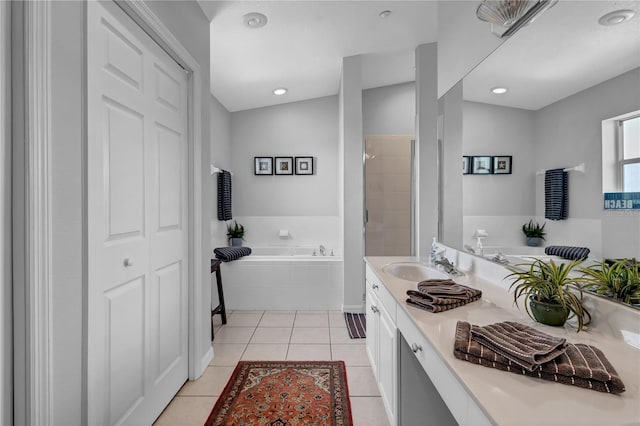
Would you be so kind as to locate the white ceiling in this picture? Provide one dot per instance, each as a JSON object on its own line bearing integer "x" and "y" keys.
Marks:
{"x": 302, "y": 46}
{"x": 563, "y": 52}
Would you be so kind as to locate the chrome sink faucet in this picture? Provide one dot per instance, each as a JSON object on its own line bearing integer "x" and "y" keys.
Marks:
{"x": 447, "y": 266}
{"x": 322, "y": 250}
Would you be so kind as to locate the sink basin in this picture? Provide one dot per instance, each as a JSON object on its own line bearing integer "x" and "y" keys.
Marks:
{"x": 412, "y": 271}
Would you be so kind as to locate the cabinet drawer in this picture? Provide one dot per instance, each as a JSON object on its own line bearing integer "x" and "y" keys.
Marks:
{"x": 461, "y": 405}
{"x": 378, "y": 288}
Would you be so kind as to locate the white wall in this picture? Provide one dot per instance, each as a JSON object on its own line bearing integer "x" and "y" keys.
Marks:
{"x": 500, "y": 204}
{"x": 452, "y": 180}
{"x": 569, "y": 132}
{"x": 426, "y": 145}
{"x": 306, "y": 128}
{"x": 220, "y": 157}
{"x": 6, "y": 332}
{"x": 351, "y": 143}
{"x": 390, "y": 110}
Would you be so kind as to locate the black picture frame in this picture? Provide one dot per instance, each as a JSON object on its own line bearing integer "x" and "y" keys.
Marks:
{"x": 466, "y": 164}
{"x": 502, "y": 164}
{"x": 283, "y": 165}
{"x": 304, "y": 165}
{"x": 481, "y": 165}
{"x": 262, "y": 166}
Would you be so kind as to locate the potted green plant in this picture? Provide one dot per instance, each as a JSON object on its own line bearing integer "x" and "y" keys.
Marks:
{"x": 619, "y": 280}
{"x": 552, "y": 294}
{"x": 534, "y": 233}
{"x": 235, "y": 234}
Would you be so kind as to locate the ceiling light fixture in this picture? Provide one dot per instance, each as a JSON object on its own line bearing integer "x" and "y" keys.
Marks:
{"x": 385, "y": 14}
{"x": 499, "y": 90}
{"x": 280, "y": 91}
{"x": 511, "y": 14}
{"x": 254, "y": 20}
{"x": 616, "y": 17}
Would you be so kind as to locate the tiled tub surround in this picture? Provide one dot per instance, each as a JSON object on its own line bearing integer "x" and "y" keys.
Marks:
{"x": 480, "y": 395}
{"x": 506, "y": 231}
{"x": 285, "y": 281}
{"x": 304, "y": 231}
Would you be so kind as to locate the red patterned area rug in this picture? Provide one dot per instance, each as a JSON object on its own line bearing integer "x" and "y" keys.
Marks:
{"x": 284, "y": 393}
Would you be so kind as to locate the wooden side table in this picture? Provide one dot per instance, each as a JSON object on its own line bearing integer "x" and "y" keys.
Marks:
{"x": 220, "y": 309}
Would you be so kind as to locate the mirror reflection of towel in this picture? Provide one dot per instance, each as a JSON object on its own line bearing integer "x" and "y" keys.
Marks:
{"x": 224, "y": 195}
{"x": 556, "y": 194}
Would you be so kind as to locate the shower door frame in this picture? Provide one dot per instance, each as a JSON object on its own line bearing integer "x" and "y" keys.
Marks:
{"x": 413, "y": 247}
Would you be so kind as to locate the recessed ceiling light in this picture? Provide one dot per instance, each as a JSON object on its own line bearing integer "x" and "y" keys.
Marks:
{"x": 254, "y": 20}
{"x": 385, "y": 14}
{"x": 280, "y": 91}
{"x": 499, "y": 90}
{"x": 616, "y": 17}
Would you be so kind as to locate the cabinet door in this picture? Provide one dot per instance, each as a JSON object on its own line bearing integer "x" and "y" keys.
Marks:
{"x": 387, "y": 363}
{"x": 373, "y": 325}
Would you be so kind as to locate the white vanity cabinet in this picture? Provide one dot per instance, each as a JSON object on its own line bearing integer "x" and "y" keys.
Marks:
{"x": 445, "y": 400}
{"x": 382, "y": 345}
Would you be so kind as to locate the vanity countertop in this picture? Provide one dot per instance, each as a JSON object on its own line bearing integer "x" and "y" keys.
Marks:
{"x": 511, "y": 399}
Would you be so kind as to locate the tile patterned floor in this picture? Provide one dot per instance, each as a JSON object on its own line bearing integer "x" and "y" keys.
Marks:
{"x": 279, "y": 335}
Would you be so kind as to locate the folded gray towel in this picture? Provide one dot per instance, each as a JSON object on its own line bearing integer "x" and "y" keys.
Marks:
{"x": 523, "y": 345}
{"x": 581, "y": 365}
{"x": 227, "y": 254}
{"x": 441, "y": 295}
{"x": 568, "y": 252}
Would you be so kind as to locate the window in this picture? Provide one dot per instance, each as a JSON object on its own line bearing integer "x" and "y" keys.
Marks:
{"x": 629, "y": 154}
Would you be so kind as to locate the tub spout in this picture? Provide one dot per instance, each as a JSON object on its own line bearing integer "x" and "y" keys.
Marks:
{"x": 322, "y": 250}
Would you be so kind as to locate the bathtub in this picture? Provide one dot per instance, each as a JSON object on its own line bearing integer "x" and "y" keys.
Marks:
{"x": 283, "y": 278}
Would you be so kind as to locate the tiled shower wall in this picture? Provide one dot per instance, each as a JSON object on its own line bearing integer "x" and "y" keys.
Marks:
{"x": 388, "y": 195}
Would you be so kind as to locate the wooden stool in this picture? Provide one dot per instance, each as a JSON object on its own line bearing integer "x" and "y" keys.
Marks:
{"x": 220, "y": 309}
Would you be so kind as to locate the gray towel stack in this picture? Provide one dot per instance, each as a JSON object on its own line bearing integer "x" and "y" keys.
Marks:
{"x": 579, "y": 365}
{"x": 556, "y": 194}
{"x": 224, "y": 195}
{"x": 441, "y": 295}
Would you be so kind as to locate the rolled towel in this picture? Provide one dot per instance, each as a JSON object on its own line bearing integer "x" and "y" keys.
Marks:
{"x": 523, "y": 345}
{"x": 227, "y": 254}
{"x": 580, "y": 365}
{"x": 568, "y": 252}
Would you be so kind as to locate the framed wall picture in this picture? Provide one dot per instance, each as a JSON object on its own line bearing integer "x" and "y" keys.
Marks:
{"x": 262, "y": 165}
{"x": 284, "y": 165}
{"x": 502, "y": 165}
{"x": 304, "y": 165}
{"x": 481, "y": 165}
{"x": 466, "y": 165}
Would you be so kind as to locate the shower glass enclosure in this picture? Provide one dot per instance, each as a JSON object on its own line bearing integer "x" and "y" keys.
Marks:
{"x": 389, "y": 182}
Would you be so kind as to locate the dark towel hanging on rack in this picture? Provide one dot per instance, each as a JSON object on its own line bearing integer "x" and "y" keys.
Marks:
{"x": 224, "y": 195}
{"x": 556, "y": 194}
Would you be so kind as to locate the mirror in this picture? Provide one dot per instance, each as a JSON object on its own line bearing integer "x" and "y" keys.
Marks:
{"x": 564, "y": 74}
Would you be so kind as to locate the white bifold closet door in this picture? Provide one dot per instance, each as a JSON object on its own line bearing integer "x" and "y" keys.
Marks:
{"x": 137, "y": 291}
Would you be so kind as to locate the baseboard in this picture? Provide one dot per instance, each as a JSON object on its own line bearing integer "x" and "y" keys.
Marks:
{"x": 353, "y": 308}
{"x": 204, "y": 363}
